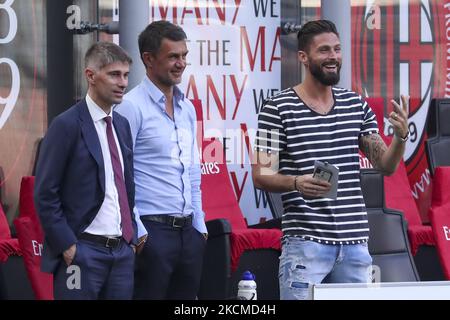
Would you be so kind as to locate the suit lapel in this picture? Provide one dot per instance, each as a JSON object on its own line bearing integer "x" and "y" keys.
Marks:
{"x": 90, "y": 137}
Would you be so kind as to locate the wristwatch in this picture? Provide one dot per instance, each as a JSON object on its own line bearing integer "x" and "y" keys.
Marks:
{"x": 405, "y": 138}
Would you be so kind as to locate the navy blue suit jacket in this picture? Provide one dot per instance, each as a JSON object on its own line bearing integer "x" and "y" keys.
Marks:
{"x": 70, "y": 179}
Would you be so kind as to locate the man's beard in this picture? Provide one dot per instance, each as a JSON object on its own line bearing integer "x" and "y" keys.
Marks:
{"x": 168, "y": 81}
{"x": 325, "y": 78}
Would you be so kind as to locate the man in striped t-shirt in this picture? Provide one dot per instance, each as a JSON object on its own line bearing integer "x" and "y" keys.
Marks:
{"x": 325, "y": 240}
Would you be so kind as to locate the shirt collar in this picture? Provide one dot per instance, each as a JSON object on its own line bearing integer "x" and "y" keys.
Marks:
{"x": 158, "y": 96}
{"x": 95, "y": 111}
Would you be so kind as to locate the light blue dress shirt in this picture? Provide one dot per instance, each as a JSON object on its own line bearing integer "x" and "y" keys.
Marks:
{"x": 166, "y": 159}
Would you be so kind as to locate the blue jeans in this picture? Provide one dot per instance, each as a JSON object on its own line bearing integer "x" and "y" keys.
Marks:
{"x": 304, "y": 263}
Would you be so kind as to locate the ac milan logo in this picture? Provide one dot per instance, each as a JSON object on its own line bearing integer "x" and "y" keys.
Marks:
{"x": 398, "y": 50}
{"x": 398, "y": 58}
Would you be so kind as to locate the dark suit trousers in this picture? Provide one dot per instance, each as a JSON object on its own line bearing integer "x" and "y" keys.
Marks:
{"x": 96, "y": 272}
{"x": 170, "y": 265}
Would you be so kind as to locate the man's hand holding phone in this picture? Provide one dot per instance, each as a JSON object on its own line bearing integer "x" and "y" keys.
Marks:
{"x": 311, "y": 187}
{"x": 321, "y": 184}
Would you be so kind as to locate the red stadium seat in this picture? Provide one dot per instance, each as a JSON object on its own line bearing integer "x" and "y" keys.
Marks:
{"x": 437, "y": 148}
{"x": 14, "y": 284}
{"x": 8, "y": 246}
{"x": 31, "y": 237}
{"x": 440, "y": 220}
{"x": 219, "y": 202}
{"x": 230, "y": 237}
{"x": 440, "y": 216}
{"x": 232, "y": 246}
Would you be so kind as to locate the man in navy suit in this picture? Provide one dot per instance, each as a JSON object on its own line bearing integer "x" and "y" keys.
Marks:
{"x": 84, "y": 187}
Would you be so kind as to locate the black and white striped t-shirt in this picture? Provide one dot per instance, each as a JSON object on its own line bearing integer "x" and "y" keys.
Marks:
{"x": 300, "y": 136}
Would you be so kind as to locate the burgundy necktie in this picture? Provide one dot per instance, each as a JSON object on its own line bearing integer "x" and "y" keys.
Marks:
{"x": 127, "y": 228}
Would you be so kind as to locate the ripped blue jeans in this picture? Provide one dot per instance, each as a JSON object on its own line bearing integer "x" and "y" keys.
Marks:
{"x": 304, "y": 263}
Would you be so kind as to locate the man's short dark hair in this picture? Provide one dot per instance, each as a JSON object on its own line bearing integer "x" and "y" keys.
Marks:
{"x": 102, "y": 54}
{"x": 150, "y": 39}
{"x": 311, "y": 29}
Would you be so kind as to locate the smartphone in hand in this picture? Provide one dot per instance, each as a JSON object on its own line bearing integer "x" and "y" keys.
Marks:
{"x": 329, "y": 173}
{"x": 322, "y": 174}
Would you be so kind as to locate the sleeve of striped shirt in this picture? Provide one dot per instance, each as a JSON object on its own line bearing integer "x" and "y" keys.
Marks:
{"x": 369, "y": 125}
{"x": 270, "y": 136}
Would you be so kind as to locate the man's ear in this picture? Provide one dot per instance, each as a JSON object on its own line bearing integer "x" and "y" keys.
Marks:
{"x": 302, "y": 57}
{"x": 90, "y": 75}
{"x": 148, "y": 59}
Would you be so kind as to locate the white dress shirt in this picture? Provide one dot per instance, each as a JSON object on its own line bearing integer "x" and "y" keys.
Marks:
{"x": 108, "y": 219}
